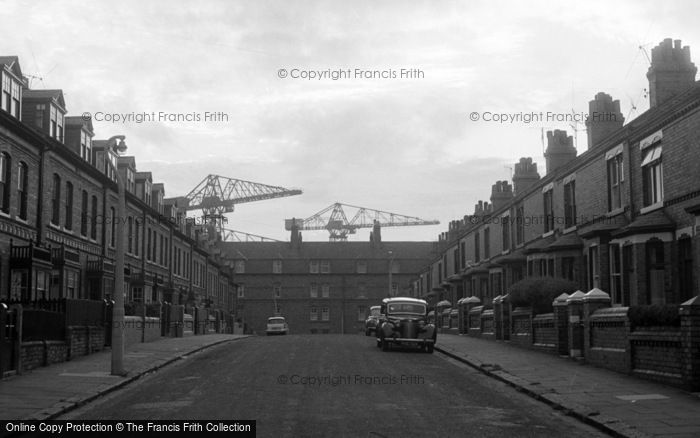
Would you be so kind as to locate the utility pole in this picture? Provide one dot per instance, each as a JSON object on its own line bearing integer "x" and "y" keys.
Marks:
{"x": 118, "y": 310}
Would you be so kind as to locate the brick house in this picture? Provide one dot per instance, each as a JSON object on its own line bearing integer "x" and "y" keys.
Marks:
{"x": 622, "y": 216}
{"x": 58, "y": 202}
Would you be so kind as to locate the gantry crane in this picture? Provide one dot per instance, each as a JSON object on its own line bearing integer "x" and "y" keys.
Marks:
{"x": 335, "y": 220}
{"x": 217, "y": 195}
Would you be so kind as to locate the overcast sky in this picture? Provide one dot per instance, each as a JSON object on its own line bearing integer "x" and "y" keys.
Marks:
{"x": 403, "y": 145}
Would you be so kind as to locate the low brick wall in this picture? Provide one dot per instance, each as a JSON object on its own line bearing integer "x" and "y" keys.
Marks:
{"x": 656, "y": 354}
{"x": 84, "y": 340}
{"x": 521, "y": 326}
{"x": 151, "y": 330}
{"x": 488, "y": 324}
{"x": 35, "y": 354}
{"x": 609, "y": 339}
{"x": 544, "y": 335}
{"x": 475, "y": 321}
{"x": 188, "y": 328}
{"x": 138, "y": 329}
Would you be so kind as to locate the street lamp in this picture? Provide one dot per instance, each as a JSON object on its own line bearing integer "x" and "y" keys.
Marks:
{"x": 118, "y": 311}
{"x": 391, "y": 268}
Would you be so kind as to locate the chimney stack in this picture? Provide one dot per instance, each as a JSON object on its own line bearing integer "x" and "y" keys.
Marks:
{"x": 671, "y": 71}
{"x": 501, "y": 194}
{"x": 604, "y": 118}
{"x": 525, "y": 175}
{"x": 560, "y": 150}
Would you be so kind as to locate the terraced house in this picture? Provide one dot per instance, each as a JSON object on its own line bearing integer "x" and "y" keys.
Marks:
{"x": 58, "y": 214}
{"x": 623, "y": 216}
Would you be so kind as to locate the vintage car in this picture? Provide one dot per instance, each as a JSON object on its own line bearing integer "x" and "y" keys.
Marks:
{"x": 405, "y": 323}
{"x": 276, "y": 325}
{"x": 372, "y": 321}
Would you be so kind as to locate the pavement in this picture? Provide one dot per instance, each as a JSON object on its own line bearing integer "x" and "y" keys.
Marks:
{"x": 47, "y": 392}
{"x": 616, "y": 403}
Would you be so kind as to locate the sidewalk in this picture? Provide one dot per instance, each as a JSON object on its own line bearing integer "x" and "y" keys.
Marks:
{"x": 616, "y": 403}
{"x": 45, "y": 393}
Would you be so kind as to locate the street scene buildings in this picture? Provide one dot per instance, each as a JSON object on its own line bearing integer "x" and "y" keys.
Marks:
{"x": 620, "y": 216}
{"x": 59, "y": 223}
{"x": 589, "y": 257}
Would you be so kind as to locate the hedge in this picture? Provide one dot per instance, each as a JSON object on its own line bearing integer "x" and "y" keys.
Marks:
{"x": 654, "y": 315}
{"x": 539, "y": 292}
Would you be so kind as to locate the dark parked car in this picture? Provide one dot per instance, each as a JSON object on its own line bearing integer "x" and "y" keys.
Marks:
{"x": 405, "y": 322}
{"x": 372, "y": 321}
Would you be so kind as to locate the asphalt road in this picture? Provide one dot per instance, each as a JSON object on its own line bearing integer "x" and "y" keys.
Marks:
{"x": 334, "y": 386}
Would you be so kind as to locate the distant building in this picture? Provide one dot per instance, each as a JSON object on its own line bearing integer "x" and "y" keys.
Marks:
{"x": 320, "y": 287}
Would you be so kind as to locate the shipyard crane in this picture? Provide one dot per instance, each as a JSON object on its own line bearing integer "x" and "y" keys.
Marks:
{"x": 217, "y": 195}
{"x": 228, "y": 235}
{"x": 335, "y": 220}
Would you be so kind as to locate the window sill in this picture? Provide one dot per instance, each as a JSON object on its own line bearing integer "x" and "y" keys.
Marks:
{"x": 615, "y": 212}
{"x": 22, "y": 221}
{"x": 54, "y": 226}
{"x": 7, "y": 215}
{"x": 651, "y": 208}
{"x": 67, "y": 230}
{"x": 548, "y": 233}
{"x": 569, "y": 230}
{"x": 504, "y": 252}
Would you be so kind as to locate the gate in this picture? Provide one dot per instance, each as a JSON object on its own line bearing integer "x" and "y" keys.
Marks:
{"x": 9, "y": 339}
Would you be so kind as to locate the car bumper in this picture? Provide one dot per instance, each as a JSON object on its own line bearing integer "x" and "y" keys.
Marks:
{"x": 409, "y": 340}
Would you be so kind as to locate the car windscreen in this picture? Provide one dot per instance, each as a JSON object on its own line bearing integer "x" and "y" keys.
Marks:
{"x": 406, "y": 308}
{"x": 275, "y": 321}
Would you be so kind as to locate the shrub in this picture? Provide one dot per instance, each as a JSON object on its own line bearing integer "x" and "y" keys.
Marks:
{"x": 539, "y": 292}
{"x": 654, "y": 315}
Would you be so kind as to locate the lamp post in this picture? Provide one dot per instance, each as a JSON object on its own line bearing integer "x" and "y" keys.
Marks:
{"x": 118, "y": 310}
{"x": 391, "y": 268}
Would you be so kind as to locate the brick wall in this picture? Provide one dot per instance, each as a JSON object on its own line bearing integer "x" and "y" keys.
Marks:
{"x": 521, "y": 326}
{"x": 37, "y": 354}
{"x": 475, "y": 321}
{"x": 609, "y": 339}
{"x": 544, "y": 335}
{"x": 137, "y": 329}
{"x": 488, "y": 327}
{"x": 656, "y": 354}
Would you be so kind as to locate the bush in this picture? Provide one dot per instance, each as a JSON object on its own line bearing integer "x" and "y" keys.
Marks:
{"x": 654, "y": 315}
{"x": 539, "y": 292}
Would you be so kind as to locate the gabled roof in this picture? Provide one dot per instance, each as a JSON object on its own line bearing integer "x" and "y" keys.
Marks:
{"x": 80, "y": 121}
{"x": 656, "y": 221}
{"x": 140, "y": 176}
{"x": 129, "y": 160}
{"x": 565, "y": 242}
{"x": 516, "y": 256}
{"x": 55, "y": 95}
{"x": 603, "y": 227}
{"x": 540, "y": 244}
{"x": 12, "y": 64}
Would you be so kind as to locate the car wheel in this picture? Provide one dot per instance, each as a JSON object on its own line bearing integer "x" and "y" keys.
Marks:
{"x": 368, "y": 332}
{"x": 429, "y": 348}
{"x": 385, "y": 345}
{"x": 379, "y": 343}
